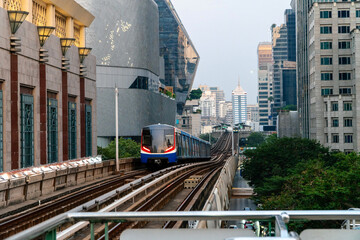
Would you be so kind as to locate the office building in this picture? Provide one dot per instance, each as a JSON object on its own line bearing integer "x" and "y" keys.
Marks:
{"x": 48, "y": 108}
{"x": 239, "y": 105}
{"x": 265, "y": 83}
{"x": 334, "y": 56}
{"x": 208, "y": 104}
{"x": 126, "y": 40}
{"x": 253, "y": 113}
{"x": 178, "y": 53}
{"x": 218, "y": 94}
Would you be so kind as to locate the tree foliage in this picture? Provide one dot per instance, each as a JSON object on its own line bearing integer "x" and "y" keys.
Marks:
{"x": 206, "y": 138}
{"x": 127, "y": 148}
{"x": 268, "y": 165}
{"x": 290, "y": 108}
{"x": 255, "y": 139}
{"x": 195, "y": 94}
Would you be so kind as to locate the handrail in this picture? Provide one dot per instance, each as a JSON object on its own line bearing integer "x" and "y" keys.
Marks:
{"x": 281, "y": 218}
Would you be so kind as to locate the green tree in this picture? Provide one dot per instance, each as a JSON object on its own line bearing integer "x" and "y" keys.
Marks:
{"x": 267, "y": 166}
{"x": 290, "y": 108}
{"x": 195, "y": 94}
{"x": 206, "y": 138}
{"x": 127, "y": 148}
{"x": 255, "y": 139}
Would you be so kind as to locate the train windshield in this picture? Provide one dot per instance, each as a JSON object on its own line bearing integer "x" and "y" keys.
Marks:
{"x": 158, "y": 139}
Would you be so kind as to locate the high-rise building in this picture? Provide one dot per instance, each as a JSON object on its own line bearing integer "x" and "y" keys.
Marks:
{"x": 284, "y": 67}
{"x": 218, "y": 94}
{"x": 265, "y": 83}
{"x": 239, "y": 105}
{"x": 302, "y": 9}
{"x": 253, "y": 113}
{"x": 208, "y": 104}
{"x": 334, "y": 56}
{"x": 178, "y": 53}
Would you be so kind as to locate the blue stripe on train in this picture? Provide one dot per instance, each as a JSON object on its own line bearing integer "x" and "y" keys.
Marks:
{"x": 170, "y": 156}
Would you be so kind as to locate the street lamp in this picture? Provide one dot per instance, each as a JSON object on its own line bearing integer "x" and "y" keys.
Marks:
{"x": 16, "y": 18}
{"x": 65, "y": 45}
{"x": 44, "y": 33}
{"x": 83, "y": 53}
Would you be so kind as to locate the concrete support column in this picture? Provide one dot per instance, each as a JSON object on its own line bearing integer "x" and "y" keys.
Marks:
{"x": 14, "y": 112}
{"x": 65, "y": 116}
{"x": 82, "y": 118}
{"x": 2, "y": 3}
{"x": 43, "y": 122}
{"x": 69, "y": 27}
{"x": 50, "y": 16}
{"x": 82, "y": 37}
{"x": 26, "y": 5}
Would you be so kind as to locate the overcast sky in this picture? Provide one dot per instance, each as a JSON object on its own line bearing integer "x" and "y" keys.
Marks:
{"x": 226, "y": 34}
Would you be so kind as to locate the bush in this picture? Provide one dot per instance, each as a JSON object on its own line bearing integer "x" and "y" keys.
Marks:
{"x": 127, "y": 148}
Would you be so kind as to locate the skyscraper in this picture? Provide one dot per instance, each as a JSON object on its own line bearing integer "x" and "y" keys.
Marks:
{"x": 218, "y": 94}
{"x": 178, "y": 53}
{"x": 239, "y": 103}
{"x": 333, "y": 74}
{"x": 265, "y": 88}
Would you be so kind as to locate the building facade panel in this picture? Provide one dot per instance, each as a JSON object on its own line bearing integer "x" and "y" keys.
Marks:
{"x": 26, "y": 89}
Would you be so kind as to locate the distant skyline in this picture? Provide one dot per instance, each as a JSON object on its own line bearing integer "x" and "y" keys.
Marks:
{"x": 226, "y": 34}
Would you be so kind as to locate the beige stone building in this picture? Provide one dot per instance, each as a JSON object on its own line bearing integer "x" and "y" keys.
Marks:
{"x": 48, "y": 110}
{"x": 334, "y": 61}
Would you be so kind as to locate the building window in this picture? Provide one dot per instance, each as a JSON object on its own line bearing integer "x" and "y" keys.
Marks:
{"x": 72, "y": 130}
{"x": 344, "y": 29}
{"x": 335, "y": 122}
{"x": 326, "y": 91}
{"x": 347, "y": 106}
{"x": 326, "y": 122}
{"x": 326, "y": 45}
{"x": 325, "y": 14}
{"x": 348, "y": 151}
{"x": 334, "y": 106}
{"x": 326, "y": 76}
{"x": 335, "y": 138}
{"x": 52, "y": 130}
{"x": 1, "y": 132}
{"x": 357, "y": 13}
{"x": 325, "y": 29}
{"x": 326, "y": 61}
{"x": 343, "y": 13}
{"x": 27, "y": 130}
{"x": 345, "y": 91}
{"x": 344, "y": 44}
{"x": 344, "y": 76}
{"x": 88, "y": 130}
{"x": 326, "y": 138}
{"x": 326, "y": 106}
{"x": 348, "y": 138}
{"x": 347, "y": 122}
{"x": 344, "y": 60}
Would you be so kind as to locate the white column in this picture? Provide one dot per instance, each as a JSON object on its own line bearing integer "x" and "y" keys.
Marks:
{"x": 69, "y": 27}
{"x": 82, "y": 36}
{"x": 50, "y": 16}
{"x": 2, "y": 3}
{"x": 26, "y": 5}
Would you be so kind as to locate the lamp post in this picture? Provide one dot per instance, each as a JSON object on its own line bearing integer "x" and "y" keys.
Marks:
{"x": 65, "y": 44}
{"x": 16, "y": 18}
{"x": 117, "y": 128}
{"x": 83, "y": 53}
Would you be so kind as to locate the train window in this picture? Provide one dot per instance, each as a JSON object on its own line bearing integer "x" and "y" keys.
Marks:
{"x": 158, "y": 139}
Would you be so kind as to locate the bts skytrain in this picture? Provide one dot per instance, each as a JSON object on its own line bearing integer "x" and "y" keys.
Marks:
{"x": 164, "y": 144}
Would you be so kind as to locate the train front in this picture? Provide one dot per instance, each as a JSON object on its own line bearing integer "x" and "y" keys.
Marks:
{"x": 158, "y": 145}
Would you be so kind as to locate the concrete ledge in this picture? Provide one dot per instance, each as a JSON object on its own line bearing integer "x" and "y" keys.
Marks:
{"x": 27, "y": 184}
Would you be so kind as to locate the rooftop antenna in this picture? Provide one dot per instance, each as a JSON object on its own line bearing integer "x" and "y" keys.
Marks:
{"x": 239, "y": 81}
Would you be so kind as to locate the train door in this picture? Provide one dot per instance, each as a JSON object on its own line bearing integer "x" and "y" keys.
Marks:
{"x": 178, "y": 145}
